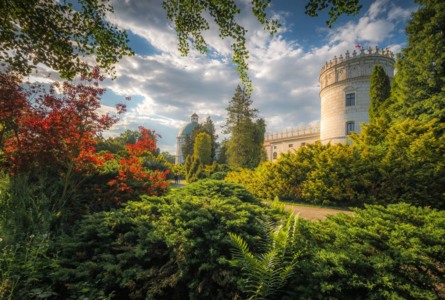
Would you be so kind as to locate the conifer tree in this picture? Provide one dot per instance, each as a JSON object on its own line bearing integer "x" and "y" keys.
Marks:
{"x": 420, "y": 80}
{"x": 379, "y": 92}
{"x": 203, "y": 148}
{"x": 243, "y": 147}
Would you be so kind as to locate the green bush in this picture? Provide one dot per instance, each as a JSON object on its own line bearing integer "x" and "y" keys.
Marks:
{"x": 169, "y": 247}
{"x": 218, "y": 175}
{"x": 217, "y": 189}
{"x": 394, "y": 252}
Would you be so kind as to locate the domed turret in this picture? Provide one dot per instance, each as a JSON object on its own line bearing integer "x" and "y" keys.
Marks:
{"x": 185, "y": 130}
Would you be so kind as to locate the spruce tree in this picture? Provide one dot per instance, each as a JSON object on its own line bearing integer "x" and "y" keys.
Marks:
{"x": 379, "y": 92}
{"x": 245, "y": 141}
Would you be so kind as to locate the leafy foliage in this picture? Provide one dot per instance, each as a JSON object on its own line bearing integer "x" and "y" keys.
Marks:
{"x": 59, "y": 35}
{"x": 267, "y": 272}
{"x": 419, "y": 82}
{"x": 203, "y": 148}
{"x": 394, "y": 252}
{"x": 188, "y": 146}
{"x": 218, "y": 189}
{"x": 161, "y": 247}
{"x": 379, "y": 92}
{"x": 336, "y": 8}
{"x": 189, "y": 20}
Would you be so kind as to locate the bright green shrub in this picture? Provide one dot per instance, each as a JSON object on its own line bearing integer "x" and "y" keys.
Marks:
{"x": 217, "y": 189}
{"x": 406, "y": 164}
{"x": 169, "y": 247}
{"x": 379, "y": 253}
{"x": 255, "y": 181}
{"x": 218, "y": 175}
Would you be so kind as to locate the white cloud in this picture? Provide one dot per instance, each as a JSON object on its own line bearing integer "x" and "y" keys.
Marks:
{"x": 285, "y": 74}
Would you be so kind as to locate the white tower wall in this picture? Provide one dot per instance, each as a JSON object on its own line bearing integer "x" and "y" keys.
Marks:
{"x": 345, "y": 80}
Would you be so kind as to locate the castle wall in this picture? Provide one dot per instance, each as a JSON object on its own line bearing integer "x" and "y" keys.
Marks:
{"x": 343, "y": 77}
{"x": 289, "y": 140}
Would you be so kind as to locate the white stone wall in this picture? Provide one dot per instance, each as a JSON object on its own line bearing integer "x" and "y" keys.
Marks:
{"x": 344, "y": 75}
{"x": 289, "y": 140}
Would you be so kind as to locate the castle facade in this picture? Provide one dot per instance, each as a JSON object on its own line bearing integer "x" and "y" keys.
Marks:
{"x": 344, "y": 96}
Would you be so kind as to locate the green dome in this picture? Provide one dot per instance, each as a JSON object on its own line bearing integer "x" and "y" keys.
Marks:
{"x": 187, "y": 129}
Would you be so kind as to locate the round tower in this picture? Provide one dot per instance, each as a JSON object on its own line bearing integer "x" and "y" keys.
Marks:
{"x": 344, "y": 94}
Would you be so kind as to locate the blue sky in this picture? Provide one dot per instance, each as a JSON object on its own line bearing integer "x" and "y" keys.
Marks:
{"x": 167, "y": 88}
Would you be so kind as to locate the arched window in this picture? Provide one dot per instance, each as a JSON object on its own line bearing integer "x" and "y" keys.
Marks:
{"x": 274, "y": 155}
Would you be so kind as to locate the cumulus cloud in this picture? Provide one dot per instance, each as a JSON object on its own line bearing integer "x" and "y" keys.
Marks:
{"x": 167, "y": 88}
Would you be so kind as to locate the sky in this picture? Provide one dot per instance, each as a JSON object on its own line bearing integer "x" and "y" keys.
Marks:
{"x": 167, "y": 88}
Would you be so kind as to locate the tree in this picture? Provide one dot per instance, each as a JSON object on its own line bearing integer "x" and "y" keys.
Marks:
{"x": 203, "y": 148}
{"x": 336, "y": 8}
{"x": 222, "y": 153}
{"x": 419, "y": 83}
{"x": 53, "y": 129}
{"x": 189, "y": 140}
{"x": 209, "y": 127}
{"x": 59, "y": 35}
{"x": 191, "y": 20}
{"x": 379, "y": 92}
{"x": 245, "y": 140}
{"x": 168, "y": 157}
{"x": 187, "y": 146}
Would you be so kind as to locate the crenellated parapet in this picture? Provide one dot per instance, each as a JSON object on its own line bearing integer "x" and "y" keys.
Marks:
{"x": 360, "y": 54}
{"x": 293, "y": 132}
{"x": 355, "y": 64}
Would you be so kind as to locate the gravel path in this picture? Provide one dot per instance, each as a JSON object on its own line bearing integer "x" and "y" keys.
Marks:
{"x": 314, "y": 213}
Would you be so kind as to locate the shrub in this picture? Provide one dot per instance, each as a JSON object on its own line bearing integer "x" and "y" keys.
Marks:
{"x": 393, "y": 252}
{"x": 169, "y": 247}
{"x": 218, "y": 175}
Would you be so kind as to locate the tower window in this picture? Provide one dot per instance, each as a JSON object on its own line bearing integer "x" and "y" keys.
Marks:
{"x": 275, "y": 155}
{"x": 291, "y": 145}
{"x": 350, "y": 127}
{"x": 350, "y": 99}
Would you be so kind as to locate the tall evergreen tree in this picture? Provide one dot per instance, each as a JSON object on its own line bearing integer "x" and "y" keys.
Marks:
{"x": 244, "y": 143}
{"x": 420, "y": 80}
{"x": 209, "y": 127}
{"x": 222, "y": 152}
{"x": 187, "y": 146}
{"x": 203, "y": 148}
{"x": 379, "y": 92}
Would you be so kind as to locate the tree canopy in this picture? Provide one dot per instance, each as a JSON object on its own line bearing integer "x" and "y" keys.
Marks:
{"x": 190, "y": 23}
{"x": 59, "y": 35}
{"x": 379, "y": 91}
{"x": 62, "y": 35}
{"x": 244, "y": 147}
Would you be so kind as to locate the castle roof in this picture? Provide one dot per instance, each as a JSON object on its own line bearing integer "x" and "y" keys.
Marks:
{"x": 188, "y": 128}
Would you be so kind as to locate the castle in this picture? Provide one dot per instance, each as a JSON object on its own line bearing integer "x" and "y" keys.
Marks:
{"x": 344, "y": 95}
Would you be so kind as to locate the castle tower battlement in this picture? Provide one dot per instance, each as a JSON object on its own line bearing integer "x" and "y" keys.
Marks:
{"x": 344, "y": 91}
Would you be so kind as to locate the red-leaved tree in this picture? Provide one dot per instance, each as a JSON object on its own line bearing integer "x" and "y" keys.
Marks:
{"x": 133, "y": 178}
{"x": 53, "y": 127}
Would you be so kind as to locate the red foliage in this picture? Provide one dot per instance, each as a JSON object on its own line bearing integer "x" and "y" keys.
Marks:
{"x": 146, "y": 144}
{"x": 133, "y": 178}
{"x": 55, "y": 126}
